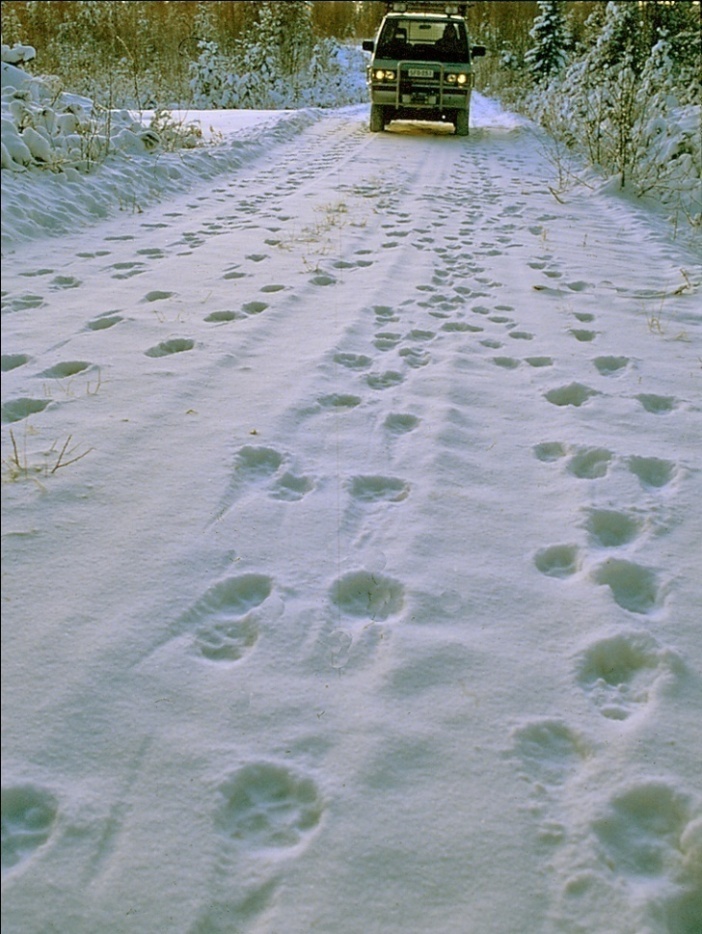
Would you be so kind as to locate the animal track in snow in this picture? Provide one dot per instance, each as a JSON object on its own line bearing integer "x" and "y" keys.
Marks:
{"x": 24, "y": 302}
{"x": 582, "y": 335}
{"x": 607, "y": 366}
{"x": 151, "y": 253}
{"x": 619, "y": 673}
{"x": 13, "y": 361}
{"x": 28, "y": 817}
{"x": 414, "y": 357}
{"x": 266, "y": 806}
{"x": 291, "y": 488}
{"x": 367, "y": 595}
{"x": 169, "y": 347}
{"x": 64, "y": 282}
{"x": 226, "y": 641}
{"x": 339, "y": 401}
{"x": 257, "y": 463}
{"x": 128, "y": 270}
{"x": 157, "y": 296}
{"x": 219, "y": 317}
{"x": 590, "y": 463}
{"x": 234, "y": 273}
{"x": 353, "y": 361}
{"x": 33, "y": 273}
{"x": 323, "y": 279}
{"x": 611, "y": 529}
{"x": 65, "y": 370}
{"x": 549, "y": 750}
{"x": 641, "y": 829}
{"x": 575, "y": 394}
{"x": 538, "y": 362}
{"x": 549, "y": 451}
{"x": 104, "y": 322}
{"x": 260, "y": 466}
{"x": 254, "y": 308}
{"x": 657, "y": 405}
{"x": 384, "y": 313}
{"x": 652, "y": 471}
{"x": 558, "y": 560}
{"x": 461, "y": 327}
{"x": 507, "y": 363}
{"x": 521, "y": 335}
{"x": 224, "y": 627}
{"x": 386, "y": 340}
{"x": 633, "y": 587}
{"x": 372, "y": 489}
{"x": 384, "y": 380}
{"x": 17, "y": 409}
{"x": 398, "y": 423}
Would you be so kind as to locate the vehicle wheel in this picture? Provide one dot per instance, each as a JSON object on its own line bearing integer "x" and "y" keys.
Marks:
{"x": 462, "y": 123}
{"x": 377, "y": 118}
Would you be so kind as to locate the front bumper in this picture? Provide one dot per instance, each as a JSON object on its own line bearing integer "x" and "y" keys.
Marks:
{"x": 420, "y": 86}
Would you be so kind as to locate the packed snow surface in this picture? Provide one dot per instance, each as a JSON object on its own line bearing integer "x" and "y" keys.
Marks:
{"x": 351, "y": 541}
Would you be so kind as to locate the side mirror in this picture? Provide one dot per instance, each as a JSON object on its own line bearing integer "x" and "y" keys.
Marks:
{"x": 368, "y": 45}
{"x": 477, "y": 51}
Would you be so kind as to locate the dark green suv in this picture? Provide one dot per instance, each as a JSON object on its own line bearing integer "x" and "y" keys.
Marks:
{"x": 421, "y": 66}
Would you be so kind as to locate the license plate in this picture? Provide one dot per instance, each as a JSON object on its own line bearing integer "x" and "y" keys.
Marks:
{"x": 420, "y": 73}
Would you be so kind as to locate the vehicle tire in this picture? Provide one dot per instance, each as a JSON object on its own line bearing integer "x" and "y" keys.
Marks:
{"x": 462, "y": 123}
{"x": 377, "y": 118}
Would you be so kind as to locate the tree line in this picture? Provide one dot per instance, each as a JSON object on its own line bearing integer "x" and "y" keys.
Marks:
{"x": 148, "y": 45}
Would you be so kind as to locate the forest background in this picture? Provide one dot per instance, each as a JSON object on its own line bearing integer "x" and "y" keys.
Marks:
{"x": 614, "y": 82}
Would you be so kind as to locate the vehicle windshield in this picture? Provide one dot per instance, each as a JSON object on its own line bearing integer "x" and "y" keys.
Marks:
{"x": 424, "y": 40}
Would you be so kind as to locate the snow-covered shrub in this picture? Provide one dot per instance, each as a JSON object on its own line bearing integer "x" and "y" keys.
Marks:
{"x": 667, "y": 138}
{"x": 332, "y": 75}
{"x": 45, "y": 128}
{"x": 211, "y": 79}
{"x": 336, "y": 75}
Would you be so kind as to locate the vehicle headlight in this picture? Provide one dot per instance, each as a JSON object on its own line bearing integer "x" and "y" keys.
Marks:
{"x": 451, "y": 79}
{"x": 461, "y": 79}
{"x": 381, "y": 75}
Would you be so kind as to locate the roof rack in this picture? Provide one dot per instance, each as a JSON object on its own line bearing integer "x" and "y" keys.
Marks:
{"x": 427, "y": 6}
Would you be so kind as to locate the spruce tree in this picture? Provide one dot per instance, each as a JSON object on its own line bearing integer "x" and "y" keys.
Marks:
{"x": 547, "y": 56}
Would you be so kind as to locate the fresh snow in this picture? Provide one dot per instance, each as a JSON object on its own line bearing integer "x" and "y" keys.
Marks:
{"x": 351, "y": 540}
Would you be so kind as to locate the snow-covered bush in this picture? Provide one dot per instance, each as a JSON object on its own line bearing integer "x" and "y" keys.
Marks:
{"x": 45, "y": 128}
{"x": 278, "y": 65}
{"x": 332, "y": 75}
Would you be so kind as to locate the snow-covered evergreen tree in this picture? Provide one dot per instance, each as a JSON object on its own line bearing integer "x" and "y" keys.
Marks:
{"x": 630, "y": 101}
{"x": 622, "y": 36}
{"x": 547, "y": 56}
{"x": 277, "y": 64}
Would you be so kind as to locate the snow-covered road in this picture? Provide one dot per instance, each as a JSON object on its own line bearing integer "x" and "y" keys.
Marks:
{"x": 373, "y": 604}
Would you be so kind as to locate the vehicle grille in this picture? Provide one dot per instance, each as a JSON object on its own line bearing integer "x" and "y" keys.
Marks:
{"x": 419, "y": 83}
